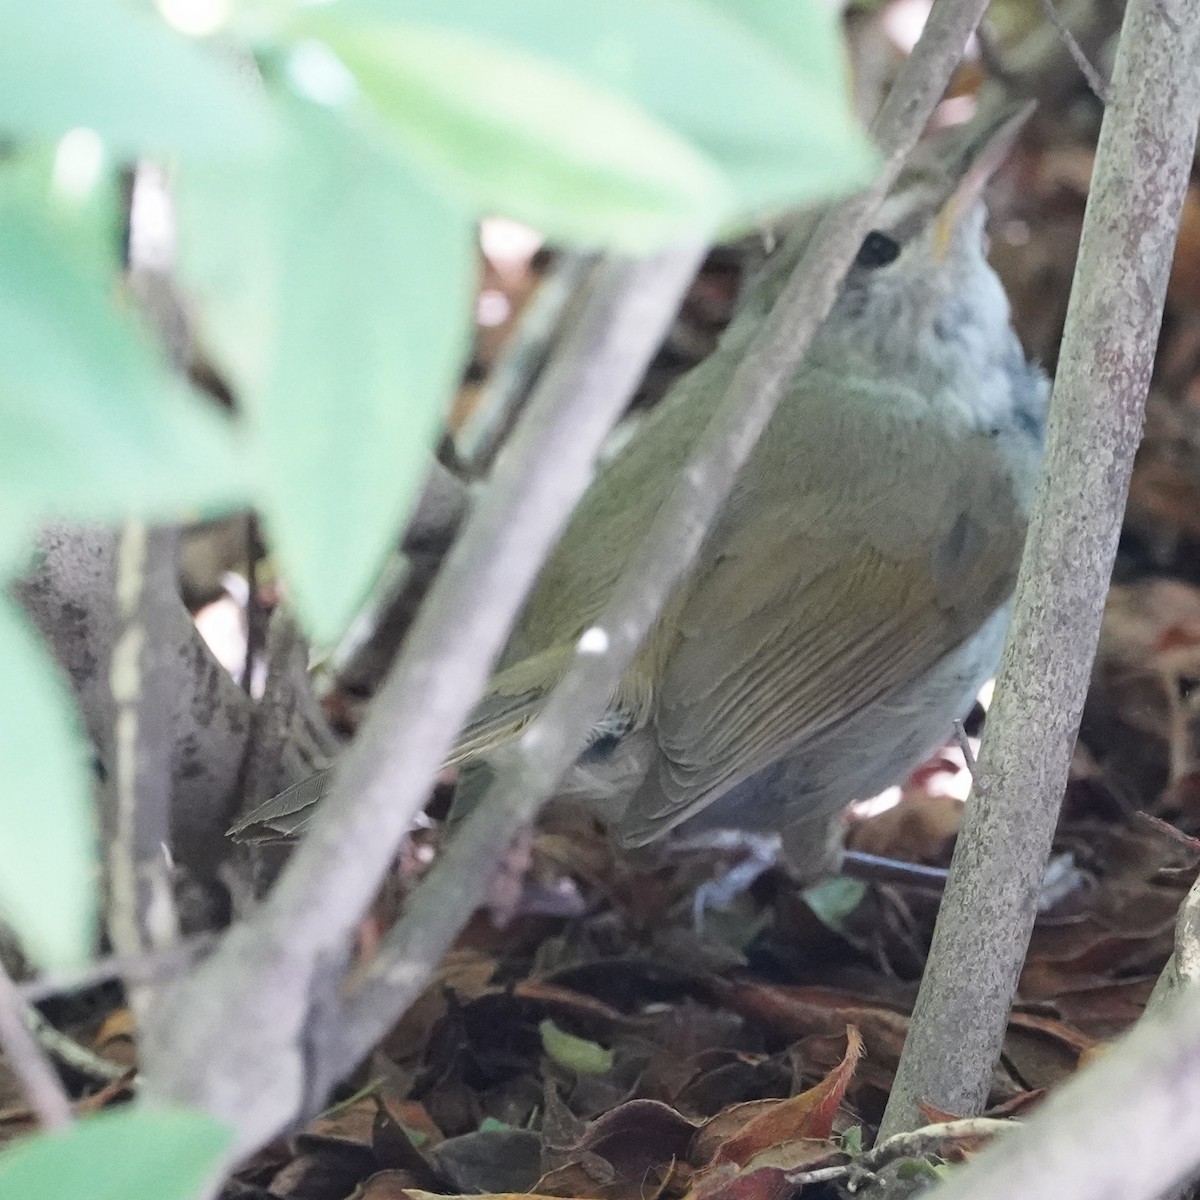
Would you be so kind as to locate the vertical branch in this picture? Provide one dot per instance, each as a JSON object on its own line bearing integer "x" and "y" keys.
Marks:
{"x": 1142, "y": 166}
{"x": 141, "y": 909}
{"x": 70, "y": 595}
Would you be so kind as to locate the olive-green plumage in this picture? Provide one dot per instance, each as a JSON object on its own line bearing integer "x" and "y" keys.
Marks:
{"x": 849, "y": 600}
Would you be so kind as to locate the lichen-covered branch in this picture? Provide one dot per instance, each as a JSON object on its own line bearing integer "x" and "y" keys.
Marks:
{"x": 1142, "y": 166}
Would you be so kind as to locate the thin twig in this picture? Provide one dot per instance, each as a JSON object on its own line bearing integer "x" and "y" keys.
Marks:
{"x": 964, "y": 744}
{"x": 1142, "y": 166}
{"x": 257, "y": 614}
{"x": 70, "y": 1053}
{"x": 874, "y": 869}
{"x": 370, "y": 643}
{"x": 43, "y": 1088}
{"x": 512, "y": 378}
{"x": 920, "y": 1143}
{"x": 148, "y": 967}
{"x": 237, "y": 1041}
{"x": 1094, "y": 79}
{"x": 1180, "y": 975}
{"x": 527, "y": 771}
{"x": 1182, "y": 970}
{"x": 1036, "y": 66}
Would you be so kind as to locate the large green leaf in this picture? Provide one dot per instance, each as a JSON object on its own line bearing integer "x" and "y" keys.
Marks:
{"x": 757, "y": 88}
{"x": 133, "y": 1154}
{"x": 522, "y": 135}
{"x": 97, "y": 64}
{"x": 92, "y": 423}
{"x": 336, "y": 287}
{"x": 48, "y": 851}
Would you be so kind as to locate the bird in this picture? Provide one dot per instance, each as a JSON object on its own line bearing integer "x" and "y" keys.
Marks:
{"x": 853, "y": 593}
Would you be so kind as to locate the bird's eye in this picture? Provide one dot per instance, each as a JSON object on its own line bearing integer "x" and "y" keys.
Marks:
{"x": 877, "y": 250}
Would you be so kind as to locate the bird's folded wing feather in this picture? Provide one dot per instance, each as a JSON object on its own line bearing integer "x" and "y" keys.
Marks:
{"x": 785, "y": 634}
{"x": 514, "y": 698}
{"x": 500, "y": 715}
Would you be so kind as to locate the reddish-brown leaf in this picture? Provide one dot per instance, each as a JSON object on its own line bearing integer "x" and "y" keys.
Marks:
{"x": 807, "y": 1116}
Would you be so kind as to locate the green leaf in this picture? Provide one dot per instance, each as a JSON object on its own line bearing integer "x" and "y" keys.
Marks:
{"x": 337, "y": 288}
{"x": 575, "y": 1053}
{"x": 921, "y": 1169}
{"x": 755, "y": 88}
{"x": 92, "y": 422}
{"x": 494, "y": 1125}
{"x": 143, "y": 88}
{"x": 48, "y": 872}
{"x": 133, "y": 1154}
{"x": 834, "y": 900}
{"x": 526, "y": 137}
{"x": 805, "y": 36}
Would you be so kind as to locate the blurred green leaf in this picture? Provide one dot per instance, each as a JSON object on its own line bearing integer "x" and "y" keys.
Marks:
{"x": 806, "y": 36}
{"x": 575, "y": 1053}
{"x": 92, "y": 423}
{"x": 337, "y": 287}
{"x": 96, "y": 64}
{"x": 48, "y": 872}
{"x": 493, "y": 1125}
{"x": 754, "y": 91}
{"x": 833, "y": 901}
{"x": 525, "y": 137}
{"x": 133, "y": 1154}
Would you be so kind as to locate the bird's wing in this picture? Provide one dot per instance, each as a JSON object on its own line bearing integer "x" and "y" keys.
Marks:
{"x": 786, "y": 632}
{"x": 615, "y": 514}
{"x": 514, "y": 698}
{"x": 285, "y": 815}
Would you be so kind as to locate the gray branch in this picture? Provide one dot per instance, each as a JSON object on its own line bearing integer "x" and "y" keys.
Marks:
{"x": 236, "y": 1039}
{"x": 1142, "y": 166}
{"x": 141, "y": 909}
{"x": 70, "y": 596}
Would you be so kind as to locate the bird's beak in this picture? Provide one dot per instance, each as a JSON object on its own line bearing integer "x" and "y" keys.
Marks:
{"x": 979, "y": 159}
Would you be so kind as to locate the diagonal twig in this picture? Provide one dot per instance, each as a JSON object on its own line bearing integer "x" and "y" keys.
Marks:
{"x": 1094, "y": 79}
{"x": 511, "y": 379}
{"x": 527, "y": 771}
{"x": 237, "y": 1039}
{"x": 920, "y": 1143}
{"x": 43, "y": 1088}
{"x": 149, "y": 968}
